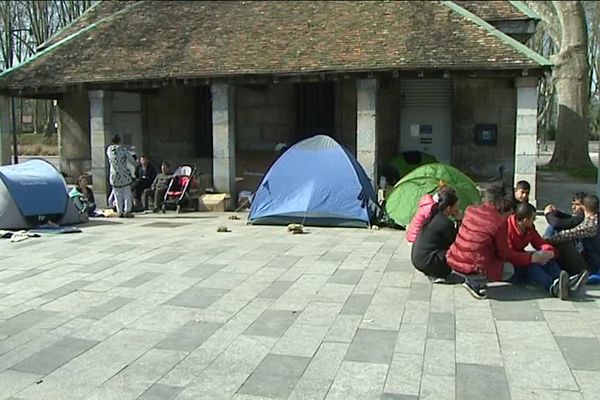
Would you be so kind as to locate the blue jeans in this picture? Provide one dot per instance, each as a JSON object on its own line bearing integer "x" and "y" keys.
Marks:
{"x": 550, "y": 231}
{"x": 543, "y": 275}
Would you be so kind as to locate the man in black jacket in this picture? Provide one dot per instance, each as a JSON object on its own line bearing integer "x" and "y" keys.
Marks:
{"x": 144, "y": 176}
{"x": 558, "y": 220}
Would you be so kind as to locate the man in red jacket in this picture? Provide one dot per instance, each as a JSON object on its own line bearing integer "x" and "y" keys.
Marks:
{"x": 481, "y": 250}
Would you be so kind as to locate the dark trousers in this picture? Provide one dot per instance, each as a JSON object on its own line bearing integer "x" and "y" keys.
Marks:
{"x": 157, "y": 195}
{"x": 436, "y": 266}
{"x": 569, "y": 258}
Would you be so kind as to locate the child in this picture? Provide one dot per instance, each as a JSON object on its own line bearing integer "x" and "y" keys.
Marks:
{"x": 83, "y": 197}
{"x": 424, "y": 210}
{"x": 538, "y": 268}
{"x": 522, "y": 190}
{"x": 438, "y": 232}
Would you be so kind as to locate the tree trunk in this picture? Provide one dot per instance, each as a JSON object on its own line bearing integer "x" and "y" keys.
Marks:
{"x": 571, "y": 80}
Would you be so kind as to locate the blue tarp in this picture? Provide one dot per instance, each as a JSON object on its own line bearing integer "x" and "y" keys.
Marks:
{"x": 315, "y": 182}
{"x": 36, "y": 187}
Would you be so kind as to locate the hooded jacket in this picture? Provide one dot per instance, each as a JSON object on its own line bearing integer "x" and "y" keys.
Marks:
{"x": 518, "y": 241}
{"x": 420, "y": 216}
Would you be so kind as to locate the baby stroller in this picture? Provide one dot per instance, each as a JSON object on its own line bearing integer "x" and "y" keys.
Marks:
{"x": 182, "y": 188}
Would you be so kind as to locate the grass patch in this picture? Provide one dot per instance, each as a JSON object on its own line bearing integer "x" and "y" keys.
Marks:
{"x": 582, "y": 174}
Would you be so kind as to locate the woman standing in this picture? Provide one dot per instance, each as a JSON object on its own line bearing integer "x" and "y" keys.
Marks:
{"x": 428, "y": 253}
{"x": 120, "y": 160}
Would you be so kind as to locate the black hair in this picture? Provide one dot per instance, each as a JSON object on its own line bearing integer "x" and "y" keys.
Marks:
{"x": 523, "y": 185}
{"x": 591, "y": 203}
{"x": 165, "y": 164}
{"x": 143, "y": 156}
{"x": 507, "y": 204}
{"x": 579, "y": 196}
{"x": 494, "y": 194}
{"x": 524, "y": 211}
{"x": 446, "y": 198}
{"x": 116, "y": 139}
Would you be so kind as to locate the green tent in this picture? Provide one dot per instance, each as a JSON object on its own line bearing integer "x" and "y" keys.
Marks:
{"x": 402, "y": 201}
{"x": 410, "y": 160}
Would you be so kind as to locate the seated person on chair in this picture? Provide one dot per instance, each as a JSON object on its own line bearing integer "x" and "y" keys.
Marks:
{"x": 83, "y": 197}
{"x": 159, "y": 187}
{"x": 144, "y": 176}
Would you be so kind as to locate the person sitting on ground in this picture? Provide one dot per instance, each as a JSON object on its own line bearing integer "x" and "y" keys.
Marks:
{"x": 159, "y": 187}
{"x": 144, "y": 176}
{"x": 423, "y": 212}
{"x": 522, "y": 190}
{"x": 558, "y": 220}
{"x": 546, "y": 272}
{"x": 588, "y": 261}
{"x": 481, "y": 250}
{"x": 438, "y": 232}
{"x": 83, "y": 197}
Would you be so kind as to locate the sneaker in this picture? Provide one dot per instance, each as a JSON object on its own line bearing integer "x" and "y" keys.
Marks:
{"x": 563, "y": 285}
{"x": 577, "y": 281}
{"x": 129, "y": 215}
{"x": 593, "y": 279}
{"x": 439, "y": 280}
{"x": 475, "y": 289}
{"x": 554, "y": 288}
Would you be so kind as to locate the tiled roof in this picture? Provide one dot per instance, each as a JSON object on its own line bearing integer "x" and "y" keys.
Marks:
{"x": 180, "y": 39}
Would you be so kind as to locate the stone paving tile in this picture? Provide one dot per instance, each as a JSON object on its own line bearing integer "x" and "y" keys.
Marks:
{"x": 420, "y": 291}
{"x": 436, "y": 387}
{"x": 588, "y": 383}
{"x": 372, "y": 346}
{"x": 441, "y": 326}
{"x": 411, "y": 339}
{"x": 189, "y": 336}
{"x": 440, "y": 357}
{"x": 532, "y": 357}
{"x": 580, "y": 353}
{"x": 275, "y": 376}
{"x": 273, "y": 323}
{"x": 394, "y": 396}
{"x": 161, "y": 392}
{"x": 478, "y": 348}
{"x": 197, "y": 297}
{"x": 12, "y": 382}
{"x": 520, "y": 393}
{"x": 404, "y": 376}
{"x": 104, "y": 309}
{"x": 276, "y": 289}
{"x": 357, "y": 304}
{"x": 53, "y": 357}
{"x": 65, "y": 289}
{"x": 346, "y": 276}
{"x": 24, "y": 321}
{"x": 358, "y": 381}
{"x": 318, "y": 376}
{"x": 22, "y": 275}
{"x": 344, "y": 328}
{"x": 473, "y": 380}
{"x": 140, "y": 279}
{"x": 525, "y": 310}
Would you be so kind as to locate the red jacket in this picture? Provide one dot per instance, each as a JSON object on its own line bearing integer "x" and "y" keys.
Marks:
{"x": 481, "y": 244}
{"x": 420, "y": 216}
{"x": 517, "y": 241}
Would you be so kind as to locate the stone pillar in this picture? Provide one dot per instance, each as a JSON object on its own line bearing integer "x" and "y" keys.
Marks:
{"x": 366, "y": 127}
{"x": 5, "y": 131}
{"x": 223, "y": 119}
{"x": 526, "y": 133}
{"x": 100, "y": 135}
{"x": 74, "y": 133}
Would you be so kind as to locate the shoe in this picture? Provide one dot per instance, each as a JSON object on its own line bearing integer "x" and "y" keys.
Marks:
{"x": 553, "y": 290}
{"x": 475, "y": 289}
{"x": 128, "y": 215}
{"x": 593, "y": 279}
{"x": 577, "y": 281}
{"x": 155, "y": 210}
{"x": 439, "y": 280}
{"x": 563, "y": 285}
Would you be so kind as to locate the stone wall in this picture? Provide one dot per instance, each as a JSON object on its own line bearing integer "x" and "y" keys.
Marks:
{"x": 74, "y": 133}
{"x": 345, "y": 113}
{"x": 484, "y": 101}
{"x": 169, "y": 127}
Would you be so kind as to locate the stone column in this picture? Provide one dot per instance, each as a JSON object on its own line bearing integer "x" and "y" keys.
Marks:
{"x": 223, "y": 119}
{"x": 5, "y": 131}
{"x": 366, "y": 127}
{"x": 526, "y": 133}
{"x": 73, "y": 133}
{"x": 100, "y": 135}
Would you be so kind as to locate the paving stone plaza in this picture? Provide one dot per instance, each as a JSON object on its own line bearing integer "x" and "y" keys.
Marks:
{"x": 164, "y": 307}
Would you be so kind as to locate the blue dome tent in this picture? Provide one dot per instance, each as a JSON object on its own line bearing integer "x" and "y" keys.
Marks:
{"x": 32, "y": 192}
{"x": 315, "y": 182}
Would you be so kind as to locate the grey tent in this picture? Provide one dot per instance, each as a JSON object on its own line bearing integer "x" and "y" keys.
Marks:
{"x": 34, "y": 192}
